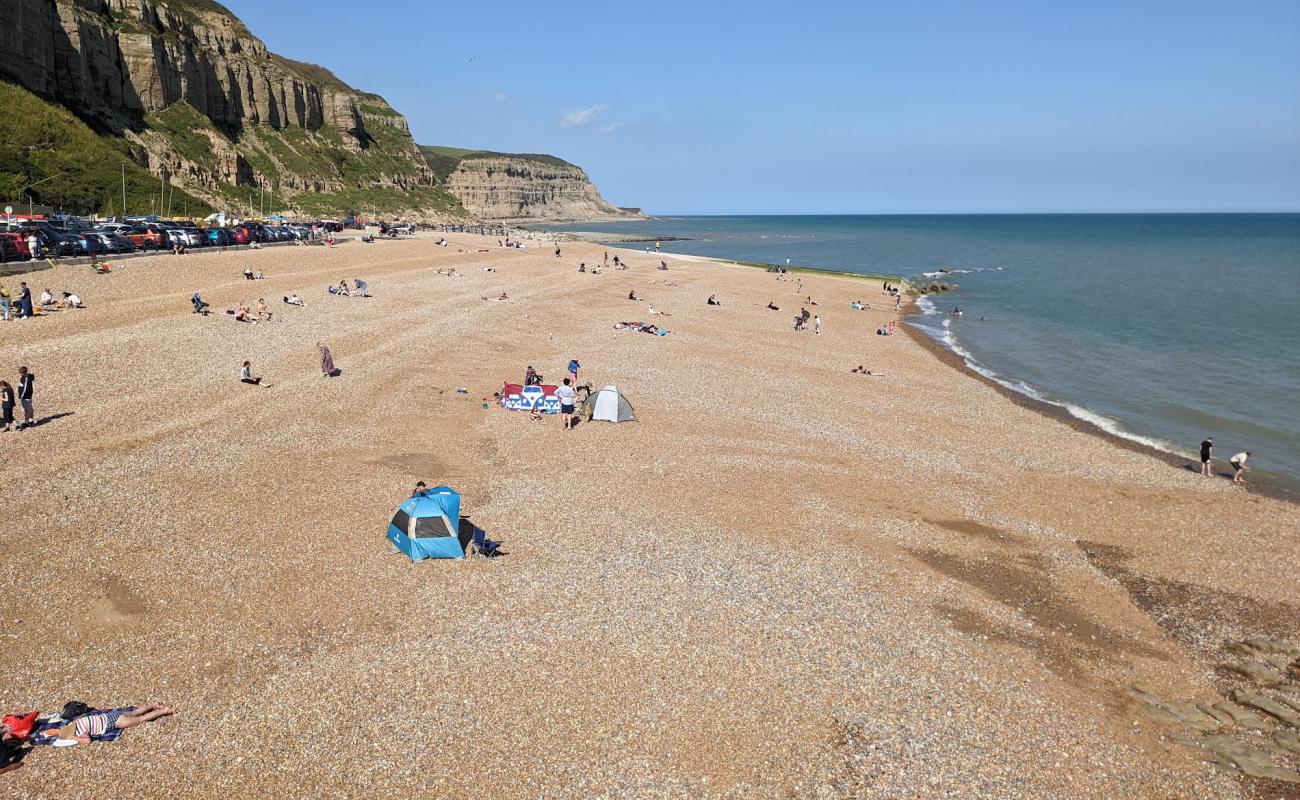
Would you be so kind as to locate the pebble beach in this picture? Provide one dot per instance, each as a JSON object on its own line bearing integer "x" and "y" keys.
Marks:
{"x": 783, "y": 580}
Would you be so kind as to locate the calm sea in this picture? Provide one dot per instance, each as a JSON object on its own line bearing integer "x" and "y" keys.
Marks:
{"x": 1163, "y": 328}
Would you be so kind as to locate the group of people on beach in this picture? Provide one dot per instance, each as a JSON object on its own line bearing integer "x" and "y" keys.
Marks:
{"x": 23, "y": 306}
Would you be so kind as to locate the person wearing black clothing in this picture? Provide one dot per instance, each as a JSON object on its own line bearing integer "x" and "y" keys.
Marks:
{"x": 1207, "y": 449}
{"x": 7, "y": 403}
{"x": 26, "y": 388}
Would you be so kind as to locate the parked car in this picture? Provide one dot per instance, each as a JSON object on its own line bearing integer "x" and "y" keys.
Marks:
{"x": 54, "y": 244}
{"x": 112, "y": 227}
{"x": 120, "y": 243}
{"x": 218, "y": 237}
{"x": 184, "y": 236}
{"x": 239, "y": 235}
{"x": 91, "y": 243}
{"x": 145, "y": 239}
{"x": 9, "y": 249}
{"x": 15, "y": 247}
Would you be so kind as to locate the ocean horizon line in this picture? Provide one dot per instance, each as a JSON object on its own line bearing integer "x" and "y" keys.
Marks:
{"x": 651, "y": 216}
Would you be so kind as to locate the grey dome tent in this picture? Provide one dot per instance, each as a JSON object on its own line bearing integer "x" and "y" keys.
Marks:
{"x": 609, "y": 406}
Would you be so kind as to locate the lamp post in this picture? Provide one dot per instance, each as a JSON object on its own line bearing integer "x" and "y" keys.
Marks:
{"x": 31, "y": 203}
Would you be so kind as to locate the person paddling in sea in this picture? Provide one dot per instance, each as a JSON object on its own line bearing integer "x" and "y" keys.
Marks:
{"x": 1207, "y": 451}
{"x": 1238, "y": 463}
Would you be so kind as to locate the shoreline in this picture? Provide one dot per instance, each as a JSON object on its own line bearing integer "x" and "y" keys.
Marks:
{"x": 1263, "y": 487}
{"x": 1256, "y": 486}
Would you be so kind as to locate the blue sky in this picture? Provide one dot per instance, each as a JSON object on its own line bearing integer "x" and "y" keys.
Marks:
{"x": 843, "y": 107}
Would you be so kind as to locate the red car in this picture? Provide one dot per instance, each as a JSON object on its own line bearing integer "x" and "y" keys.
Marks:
{"x": 19, "y": 244}
{"x": 239, "y": 235}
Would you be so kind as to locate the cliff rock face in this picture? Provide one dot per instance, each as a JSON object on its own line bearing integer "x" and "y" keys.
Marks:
{"x": 520, "y": 188}
{"x": 131, "y": 67}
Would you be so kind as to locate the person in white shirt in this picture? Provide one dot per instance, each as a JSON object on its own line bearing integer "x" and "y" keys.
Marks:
{"x": 47, "y": 298}
{"x": 72, "y": 299}
{"x": 34, "y": 246}
{"x": 817, "y": 324}
{"x": 567, "y": 396}
{"x": 1238, "y": 463}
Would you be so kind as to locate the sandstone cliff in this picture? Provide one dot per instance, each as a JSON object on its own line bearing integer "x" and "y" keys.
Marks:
{"x": 211, "y": 109}
{"x": 521, "y": 187}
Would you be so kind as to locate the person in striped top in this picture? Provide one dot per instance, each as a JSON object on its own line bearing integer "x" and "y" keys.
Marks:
{"x": 107, "y": 726}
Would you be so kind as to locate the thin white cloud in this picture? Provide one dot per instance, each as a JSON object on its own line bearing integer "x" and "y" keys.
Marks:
{"x": 500, "y": 97}
{"x": 612, "y": 126}
{"x": 581, "y": 116}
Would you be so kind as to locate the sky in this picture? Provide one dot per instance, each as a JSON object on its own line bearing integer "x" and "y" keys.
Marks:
{"x": 843, "y": 107}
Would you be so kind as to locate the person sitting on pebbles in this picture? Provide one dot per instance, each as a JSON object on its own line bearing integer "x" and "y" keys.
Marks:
{"x": 632, "y": 295}
{"x": 262, "y": 311}
{"x": 713, "y": 301}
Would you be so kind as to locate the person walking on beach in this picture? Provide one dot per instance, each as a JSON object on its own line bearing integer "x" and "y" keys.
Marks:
{"x": 1207, "y": 450}
{"x": 566, "y": 395}
{"x": 26, "y": 389}
{"x": 25, "y": 301}
{"x": 326, "y": 360}
{"x": 817, "y": 325}
{"x": 1238, "y": 463}
{"x": 574, "y": 366}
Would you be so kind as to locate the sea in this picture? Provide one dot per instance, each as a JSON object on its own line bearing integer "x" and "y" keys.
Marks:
{"x": 1159, "y": 328}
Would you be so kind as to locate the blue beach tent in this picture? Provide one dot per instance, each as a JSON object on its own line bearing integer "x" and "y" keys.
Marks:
{"x": 427, "y": 525}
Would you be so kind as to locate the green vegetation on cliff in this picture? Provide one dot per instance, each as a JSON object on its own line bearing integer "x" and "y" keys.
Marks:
{"x": 49, "y": 153}
{"x": 444, "y": 160}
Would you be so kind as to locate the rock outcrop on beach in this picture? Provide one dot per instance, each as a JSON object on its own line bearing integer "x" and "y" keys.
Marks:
{"x": 198, "y": 100}
{"x": 521, "y": 187}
